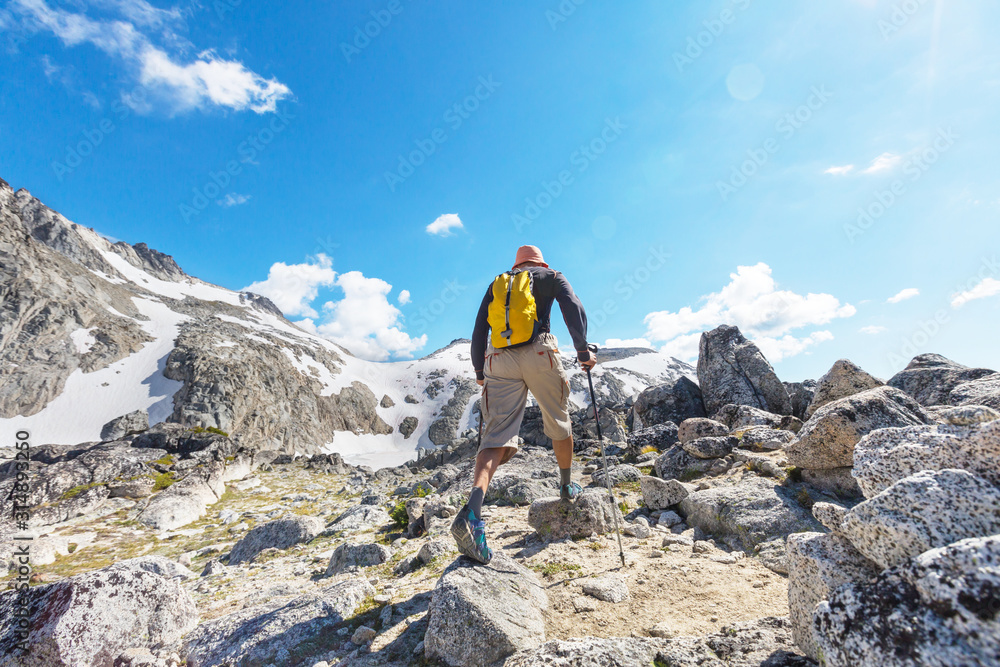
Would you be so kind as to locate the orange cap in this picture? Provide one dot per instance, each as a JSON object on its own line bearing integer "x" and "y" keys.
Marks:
{"x": 529, "y": 253}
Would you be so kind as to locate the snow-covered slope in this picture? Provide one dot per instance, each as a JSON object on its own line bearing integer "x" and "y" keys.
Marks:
{"x": 92, "y": 330}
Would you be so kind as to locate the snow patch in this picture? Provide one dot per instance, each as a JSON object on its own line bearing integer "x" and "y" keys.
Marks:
{"x": 90, "y": 400}
{"x": 83, "y": 340}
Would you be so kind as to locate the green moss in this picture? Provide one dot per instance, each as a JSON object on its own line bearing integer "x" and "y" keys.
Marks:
{"x": 162, "y": 481}
{"x": 77, "y": 490}
{"x": 210, "y": 429}
{"x": 167, "y": 460}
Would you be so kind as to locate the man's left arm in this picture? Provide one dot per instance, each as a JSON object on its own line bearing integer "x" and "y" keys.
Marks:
{"x": 574, "y": 316}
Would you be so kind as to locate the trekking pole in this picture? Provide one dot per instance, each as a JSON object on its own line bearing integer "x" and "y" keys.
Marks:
{"x": 604, "y": 459}
{"x": 480, "y": 443}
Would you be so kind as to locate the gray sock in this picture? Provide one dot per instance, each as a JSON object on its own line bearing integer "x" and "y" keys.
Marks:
{"x": 564, "y": 474}
{"x": 476, "y": 502}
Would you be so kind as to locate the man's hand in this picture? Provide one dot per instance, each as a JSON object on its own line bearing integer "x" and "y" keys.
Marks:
{"x": 589, "y": 362}
{"x": 480, "y": 382}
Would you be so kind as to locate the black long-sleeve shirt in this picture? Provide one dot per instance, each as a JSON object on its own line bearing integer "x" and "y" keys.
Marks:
{"x": 547, "y": 286}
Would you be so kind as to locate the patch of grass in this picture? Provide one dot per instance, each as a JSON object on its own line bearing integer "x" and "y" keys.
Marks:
{"x": 596, "y": 546}
{"x": 549, "y": 569}
{"x": 77, "y": 490}
{"x": 804, "y": 498}
{"x": 623, "y": 506}
{"x": 210, "y": 429}
{"x": 167, "y": 460}
{"x": 648, "y": 448}
{"x": 646, "y": 470}
{"x": 163, "y": 480}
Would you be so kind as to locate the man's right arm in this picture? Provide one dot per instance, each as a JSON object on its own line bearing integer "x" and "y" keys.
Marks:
{"x": 479, "y": 334}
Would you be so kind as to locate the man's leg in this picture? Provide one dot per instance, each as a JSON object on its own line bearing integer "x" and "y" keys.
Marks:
{"x": 487, "y": 462}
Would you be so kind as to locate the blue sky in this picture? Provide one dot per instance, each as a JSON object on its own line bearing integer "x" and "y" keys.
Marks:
{"x": 821, "y": 174}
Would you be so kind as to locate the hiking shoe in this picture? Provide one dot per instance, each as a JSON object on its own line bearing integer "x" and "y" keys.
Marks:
{"x": 470, "y": 535}
{"x": 570, "y": 491}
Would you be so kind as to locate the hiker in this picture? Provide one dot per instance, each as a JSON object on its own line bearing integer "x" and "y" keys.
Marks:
{"x": 521, "y": 355}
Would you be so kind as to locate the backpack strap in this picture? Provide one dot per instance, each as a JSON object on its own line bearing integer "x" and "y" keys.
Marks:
{"x": 508, "y": 332}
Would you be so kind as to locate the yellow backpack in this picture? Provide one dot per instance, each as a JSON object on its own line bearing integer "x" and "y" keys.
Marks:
{"x": 512, "y": 316}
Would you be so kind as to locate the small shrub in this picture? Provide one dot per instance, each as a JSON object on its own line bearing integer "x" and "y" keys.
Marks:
{"x": 167, "y": 460}
{"x": 77, "y": 490}
{"x": 399, "y": 515}
{"x": 648, "y": 448}
{"x": 596, "y": 546}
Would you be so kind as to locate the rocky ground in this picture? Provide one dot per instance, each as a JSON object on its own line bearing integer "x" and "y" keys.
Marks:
{"x": 846, "y": 521}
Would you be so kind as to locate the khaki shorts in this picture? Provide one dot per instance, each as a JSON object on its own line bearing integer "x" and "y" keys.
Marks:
{"x": 510, "y": 375}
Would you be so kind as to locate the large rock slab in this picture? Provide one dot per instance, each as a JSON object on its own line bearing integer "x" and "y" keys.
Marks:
{"x": 591, "y": 512}
{"x": 827, "y": 440}
{"x": 659, "y": 494}
{"x": 710, "y": 447}
{"x": 941, "y": 609}
{"x": 801, "y": 394}
{"x": 187, "y": 500}
{"x": 818, "y": 564}
{"x": 731, "y": 369}
{"x": 984, "y": 391}
{"x": 281, "y": 632}
{"x": 738, "y": 417}
{"x": 746, "y": 514}
{"x": 844, "y": 379}
{"x": 930, "y": 378}
{"x": 700, "y": 427}
{"x": 349, "y": 557}
{"x": 130, "y": 424}
{"x": 675, "y": 463}
{"x": 481, "y": 614}
{"x": 660, "y": 436}
{"x": 279, "y": 534}
{"x": 927, "y": 510}
{"x": 672, "y": 402}
{"x": 360, "y": 517}
{"x": 886, "y": 456}
{"x": 90, "y": 618}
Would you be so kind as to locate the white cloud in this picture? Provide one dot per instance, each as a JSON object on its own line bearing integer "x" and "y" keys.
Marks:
{"x": 873, "y": 330}
{"x": 626, "y": 342}
{"x": 233, "y": 199}
{"x": 292, "y": 287}
{"x": 365, "y": 322}
{"x": 883, "y": 162}
{"x": 839, "y": 171}
{"x": 986, "y": 288}
{"x": 206, "y": 81}
{"x": 752, "y": 302}
{"x": 444, "y": 224}
{"x": 777, "y": 349}
{"x": 903, "y": 295}
{"x": 404, "y": 297}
